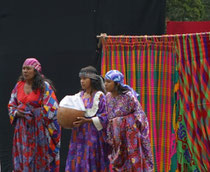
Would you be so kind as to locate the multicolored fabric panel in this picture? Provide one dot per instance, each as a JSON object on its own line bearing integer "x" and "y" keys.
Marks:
{"x": 148, "y": 66}
{"x": 193, "y": 146}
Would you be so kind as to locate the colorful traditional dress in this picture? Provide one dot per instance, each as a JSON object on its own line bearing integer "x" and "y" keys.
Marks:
{"x": 36, "y": 141}
{"x": 88, "y": 150}
{"x": 128, "y": 134}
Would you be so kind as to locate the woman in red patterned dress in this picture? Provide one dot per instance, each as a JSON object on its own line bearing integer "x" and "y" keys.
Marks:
{"x": 32, "y": 110}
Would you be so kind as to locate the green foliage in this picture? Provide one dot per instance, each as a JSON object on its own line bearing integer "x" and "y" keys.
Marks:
{"x": 186, "y": 10}
{"x": 206, "y": 4}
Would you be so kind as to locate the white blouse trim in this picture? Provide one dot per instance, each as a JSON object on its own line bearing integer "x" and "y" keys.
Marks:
{"x": 97, "y": 123}
{"x": 90, "y": 112}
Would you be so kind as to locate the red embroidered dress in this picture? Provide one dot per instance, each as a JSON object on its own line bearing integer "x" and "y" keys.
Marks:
{"x": 36, "y": 141}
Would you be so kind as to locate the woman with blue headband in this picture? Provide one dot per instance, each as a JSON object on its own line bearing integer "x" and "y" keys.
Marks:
{"x": 128, "y": 127}
{"x": 88, "y": 149}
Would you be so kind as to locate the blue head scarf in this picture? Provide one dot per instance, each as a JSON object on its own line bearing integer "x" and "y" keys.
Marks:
{"x": 118, "y": 77}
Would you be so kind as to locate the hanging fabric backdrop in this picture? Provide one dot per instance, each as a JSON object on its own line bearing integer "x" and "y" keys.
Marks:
{"x": 194, "y": 101}
{"x": 172, "y": 75}
{"x": 148, "y": 65}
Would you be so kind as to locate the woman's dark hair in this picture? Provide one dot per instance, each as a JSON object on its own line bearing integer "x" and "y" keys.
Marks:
{"x": 120, "y": 89}
{"x": 96, "y": 84}
{"x": 38, "y": 82}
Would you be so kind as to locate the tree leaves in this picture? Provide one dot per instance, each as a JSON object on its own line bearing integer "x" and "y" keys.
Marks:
{"x": 187, "y": 10}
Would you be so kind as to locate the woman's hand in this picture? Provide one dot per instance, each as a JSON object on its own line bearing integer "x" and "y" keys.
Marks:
{"x": 81, "y": 120}
{"x": 20, "y": 114}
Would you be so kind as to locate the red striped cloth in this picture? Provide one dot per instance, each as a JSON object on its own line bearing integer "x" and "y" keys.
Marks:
{"x": 178, "y": 27}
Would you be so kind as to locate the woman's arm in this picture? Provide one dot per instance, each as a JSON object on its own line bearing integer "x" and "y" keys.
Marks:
{"x": 101, "y": 119}
{"x": 50, "y": 107}
{"x": 12, "y": 105}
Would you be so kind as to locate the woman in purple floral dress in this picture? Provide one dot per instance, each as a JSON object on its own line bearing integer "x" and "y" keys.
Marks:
{"x": 128, "y": 128}
{"x": 88, "y": 150}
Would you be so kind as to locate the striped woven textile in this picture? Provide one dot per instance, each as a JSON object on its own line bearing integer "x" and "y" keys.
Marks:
{"x": 193, "y": 145}
{"x": 149, "y": 66}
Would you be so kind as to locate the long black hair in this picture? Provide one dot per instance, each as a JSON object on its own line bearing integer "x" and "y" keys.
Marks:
{"x": 120, "y": 89}
{"x": 96, "y": 83}
{"x": 38, "y": 81}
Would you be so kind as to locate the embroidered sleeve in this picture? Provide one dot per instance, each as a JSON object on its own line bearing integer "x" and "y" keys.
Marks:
{"x": 50, "y": 106}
